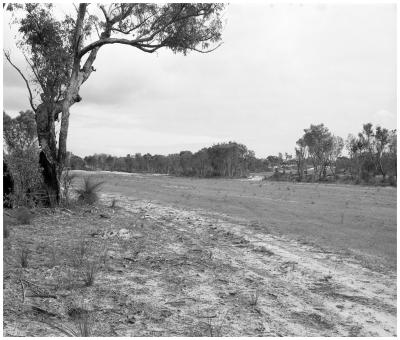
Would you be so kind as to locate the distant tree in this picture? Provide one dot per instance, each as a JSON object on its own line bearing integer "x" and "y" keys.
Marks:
{"x": 186, "y": 159}
{"x": 335, "y": 152}
{"x": 129, "y": 163}
{"x": 75, "y": 162}
{"x": 381, "y": 144}
{"x": 273, "y": 161}
{"x": 301, "y": 156}
{"x": 61, "y": 54}
{"x": 372, "y": 153}
{"x": 91, "y": 162}
{"x": 319, "y": 142}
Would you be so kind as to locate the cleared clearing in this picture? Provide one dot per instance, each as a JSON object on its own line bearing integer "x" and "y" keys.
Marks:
{"x": 202, "y": 257}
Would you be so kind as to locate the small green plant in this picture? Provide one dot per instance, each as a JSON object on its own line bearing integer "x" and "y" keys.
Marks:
{"x": 23, "y": 215}
{"x": 23, "y": 257}
{"x": 88, "y": 193}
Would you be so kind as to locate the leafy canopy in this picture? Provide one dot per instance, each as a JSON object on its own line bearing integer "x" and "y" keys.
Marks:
{"x": 58, "y": 49}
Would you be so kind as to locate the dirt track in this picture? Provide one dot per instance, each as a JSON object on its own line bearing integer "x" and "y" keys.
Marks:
{"x": 302, "y": 291}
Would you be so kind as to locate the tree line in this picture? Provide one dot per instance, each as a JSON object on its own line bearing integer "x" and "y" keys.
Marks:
{"x": 220, "y": 160}
{"x": 368, "y": 157}
{"x": 372, "y": 154}
{"x": 319, "y": 156}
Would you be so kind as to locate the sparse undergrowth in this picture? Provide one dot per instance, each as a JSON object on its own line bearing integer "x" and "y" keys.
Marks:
{"x": 150, "y": 270}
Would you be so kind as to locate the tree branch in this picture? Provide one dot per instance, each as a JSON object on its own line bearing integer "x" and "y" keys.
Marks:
{"x": 207, "y": 51}
{"x": 34, "y": 72}
{"x": 7, "y": 55}
{"x": 106, "y": 16}
{"x": 139, "y": 42}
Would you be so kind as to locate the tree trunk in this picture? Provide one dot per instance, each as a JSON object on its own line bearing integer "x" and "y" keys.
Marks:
{"x": 51, "y": 180}
{"x": 48, "y": 155}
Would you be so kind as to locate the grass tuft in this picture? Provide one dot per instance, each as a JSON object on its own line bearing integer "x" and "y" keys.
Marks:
{"x": 90, "y": 271}
{"x": 81, "y": 319}
{"x": 88, "y": 193}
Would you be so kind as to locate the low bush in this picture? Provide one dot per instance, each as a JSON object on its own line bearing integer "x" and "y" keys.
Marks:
{"x": 88, "y": 193}
{"x": 23, "y": 165}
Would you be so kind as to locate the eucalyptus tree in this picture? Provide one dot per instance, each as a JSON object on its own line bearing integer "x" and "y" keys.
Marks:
{"x": 61, "y": 53}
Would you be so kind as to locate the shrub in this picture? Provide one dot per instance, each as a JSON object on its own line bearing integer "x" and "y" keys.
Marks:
{"x": 88, "y": 193}
{"x": 24, "y": 168}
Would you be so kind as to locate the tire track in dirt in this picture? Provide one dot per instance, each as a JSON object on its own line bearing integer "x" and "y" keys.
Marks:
{"x": 301, "y": 291}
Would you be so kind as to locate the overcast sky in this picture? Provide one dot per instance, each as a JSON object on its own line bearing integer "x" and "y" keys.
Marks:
{"x": 281, "y": 68}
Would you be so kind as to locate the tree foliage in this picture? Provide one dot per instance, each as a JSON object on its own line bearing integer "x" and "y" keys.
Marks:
{"x": 221, "y": 160}
{"x": 21, "y": 155}
{"x": 322, "y": 147}
{"x": 61, "y": 53}
{"x": 372, "y": 153}
{"x": 19, "y": 133}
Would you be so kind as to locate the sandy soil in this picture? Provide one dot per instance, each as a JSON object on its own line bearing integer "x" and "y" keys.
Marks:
{"x": 170, "y": 271}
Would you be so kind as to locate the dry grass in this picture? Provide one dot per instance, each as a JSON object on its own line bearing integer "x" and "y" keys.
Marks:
{"x": 82, "y": 324}
{"x": 90, "y": 271}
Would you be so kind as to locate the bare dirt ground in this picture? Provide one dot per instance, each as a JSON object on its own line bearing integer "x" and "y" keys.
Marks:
{"x": 180, "y": 257}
